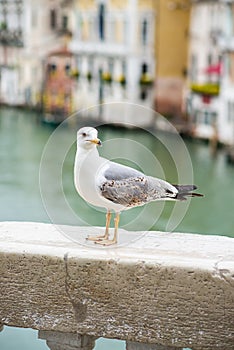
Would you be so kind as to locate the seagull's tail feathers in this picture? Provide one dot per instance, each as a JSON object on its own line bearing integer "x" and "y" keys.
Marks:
{"x": 185, "y": 191}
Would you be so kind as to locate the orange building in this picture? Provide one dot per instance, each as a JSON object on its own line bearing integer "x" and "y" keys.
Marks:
{"x": 59, "y": 85}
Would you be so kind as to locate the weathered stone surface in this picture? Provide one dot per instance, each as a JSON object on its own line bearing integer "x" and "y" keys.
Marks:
{"x": 171, "y": 289}
{"x": 67, "y": 341}
{"x": 144, "y": 346}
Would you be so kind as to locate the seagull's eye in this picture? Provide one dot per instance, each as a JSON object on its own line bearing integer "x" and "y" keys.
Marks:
{"x": 84, "y": 134}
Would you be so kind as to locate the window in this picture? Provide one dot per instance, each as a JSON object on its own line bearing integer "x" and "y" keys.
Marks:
{"x": 124, "y": 67}
{"x": 143, "y": 89}
{"x": 143, "y": 94}
{"x": 64, "y": 22}
{"x": 67, "y": 68}
{"x": 53, "y": 19}
{"x": 90, "y": 72}
{"x": 52, "y": 68}
{"x": 144, "y": 68}
{"x": 101, "y": 21}
{"x": 144, "y": 31}
{"x": 206, "y": 118}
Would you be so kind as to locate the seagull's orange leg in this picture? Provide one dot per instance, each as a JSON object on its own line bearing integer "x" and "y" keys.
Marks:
{"x": 116, "y": 228}
{"x": 106, "y": 235}
{"x": 114, "y": 240}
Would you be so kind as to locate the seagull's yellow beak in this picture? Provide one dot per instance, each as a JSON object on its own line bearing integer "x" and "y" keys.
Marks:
{"x": 96, "y": 142}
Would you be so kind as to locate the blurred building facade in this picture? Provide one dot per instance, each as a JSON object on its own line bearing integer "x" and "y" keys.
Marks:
{"x": 28, "y": 31}
{"x": 210, "y": 92}
{"x": 68, "y": 55}
{"x": 120, "y": 48}
{"x": 133, "y": 43}
{"x": 113, "y": 43}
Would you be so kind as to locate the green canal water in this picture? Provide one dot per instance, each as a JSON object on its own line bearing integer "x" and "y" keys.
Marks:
{"x": 23, "y": 141}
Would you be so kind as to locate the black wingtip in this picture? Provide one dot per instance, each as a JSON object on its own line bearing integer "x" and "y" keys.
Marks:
{"x": 185, "y": 191}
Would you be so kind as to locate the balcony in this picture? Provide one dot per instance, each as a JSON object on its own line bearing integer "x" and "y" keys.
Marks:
{"x": 98, "y": 47}
{"x": 10, "y": 37}
{"x": 11, "y": 23}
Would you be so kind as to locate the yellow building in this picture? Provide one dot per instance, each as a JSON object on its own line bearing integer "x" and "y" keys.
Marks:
{"x": 171, "y": 39}
{"x": 171, "y": 52}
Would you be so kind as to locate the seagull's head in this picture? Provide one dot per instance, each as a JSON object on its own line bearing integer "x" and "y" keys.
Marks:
{"x": 87, "y": 138}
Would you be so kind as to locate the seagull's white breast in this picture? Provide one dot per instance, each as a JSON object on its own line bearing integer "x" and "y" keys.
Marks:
{"x": 88, "y": 176}
{"x": 84, "y": 177}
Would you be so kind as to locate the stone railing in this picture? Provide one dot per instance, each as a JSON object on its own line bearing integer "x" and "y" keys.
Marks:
{"x": 162, "y": 291}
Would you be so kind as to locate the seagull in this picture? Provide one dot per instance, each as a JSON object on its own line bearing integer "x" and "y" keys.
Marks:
{"x": 116, "y": 187}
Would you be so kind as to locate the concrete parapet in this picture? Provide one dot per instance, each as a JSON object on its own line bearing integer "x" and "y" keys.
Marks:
{"x": 171, "y": 289}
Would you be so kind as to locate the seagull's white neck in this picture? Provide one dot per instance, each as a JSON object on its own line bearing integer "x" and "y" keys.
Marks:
{"x": 87, "y": 156}
{"x": 87, "y": 164}
{"x": 82, "y": 153}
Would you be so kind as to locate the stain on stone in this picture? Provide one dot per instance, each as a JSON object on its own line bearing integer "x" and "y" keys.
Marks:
{"x": 78, "y": 304}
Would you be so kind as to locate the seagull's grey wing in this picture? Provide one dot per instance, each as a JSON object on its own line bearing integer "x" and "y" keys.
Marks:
{"x": 129, "y": 187}
{"x": 128, "y": 192}
{"x": 117, "y": 172}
